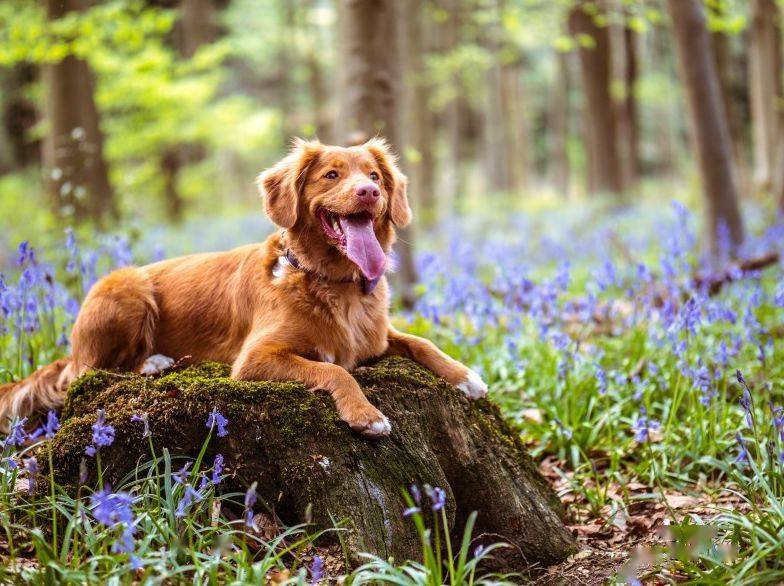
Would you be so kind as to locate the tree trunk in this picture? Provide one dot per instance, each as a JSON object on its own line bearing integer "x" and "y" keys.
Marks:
{"x": 309, "y": 464}
{"x": 604, "y": 168}
{"x": 369, "y": 98}
{"x": 455, "y": 111}
{"x": 765, "y": 90}
{"x": 517, "y": 132}
{"x": 19, "y": 116}
{"x": 197, "y": 25}
{"x": 711, "y": 131}
{"x": 76, "y": 171}
{"x": 624, "y": 53}
{"x": 558, "y": 167}
{"x": 418, "y": 117}
{"x": 725, "y": 66}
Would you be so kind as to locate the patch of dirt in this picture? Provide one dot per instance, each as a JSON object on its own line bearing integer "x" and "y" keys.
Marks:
{"x": 617, "y": 540}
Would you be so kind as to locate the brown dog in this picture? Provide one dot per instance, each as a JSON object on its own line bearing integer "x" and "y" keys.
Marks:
{"x": 309, "y": 304}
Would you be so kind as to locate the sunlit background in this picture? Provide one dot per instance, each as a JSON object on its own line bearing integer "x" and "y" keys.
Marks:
{"x": 596, "y": 187}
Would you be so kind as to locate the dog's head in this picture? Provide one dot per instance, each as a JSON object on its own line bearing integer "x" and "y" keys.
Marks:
{"x": 340, "y": 205}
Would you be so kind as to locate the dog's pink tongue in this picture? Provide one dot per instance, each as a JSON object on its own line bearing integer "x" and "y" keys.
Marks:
{"x": 362, "y": 247}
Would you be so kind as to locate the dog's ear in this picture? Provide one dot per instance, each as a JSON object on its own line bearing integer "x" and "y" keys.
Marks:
{"x": 280, "y": 186}
{"x": 395, "y": 182}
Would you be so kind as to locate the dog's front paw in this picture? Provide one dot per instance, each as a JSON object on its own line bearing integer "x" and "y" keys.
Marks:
{"x": 473, "y": 386}
{"x": 155, "y": 364}
{"x": 368, "y": 421}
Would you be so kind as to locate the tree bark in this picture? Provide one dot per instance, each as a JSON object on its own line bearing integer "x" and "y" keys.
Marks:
{"x": 306, "y": 461}
{"x": 711, "y": 131}
{"x": 455, "y": 112}
{"x": 197, "y": 25}
{"x": 76, "y": 171}
{"x": 419, "y": 118}
{"x": 19, "y": 116}
{"x": 624, "y": 53}
{"x": 558, "y": 161}
{"x": 369, "y": 98}
{"x": 765, "y": 87}
{"x": 725, "y": 66}
{"x": 604, "y": 170}
{"x": 517, "y": 129}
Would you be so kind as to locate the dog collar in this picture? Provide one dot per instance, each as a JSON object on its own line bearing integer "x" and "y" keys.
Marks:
{"x": 368, "y": 285}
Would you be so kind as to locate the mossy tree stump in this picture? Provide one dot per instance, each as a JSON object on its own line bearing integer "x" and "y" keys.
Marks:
{"x": 291, "y": 442}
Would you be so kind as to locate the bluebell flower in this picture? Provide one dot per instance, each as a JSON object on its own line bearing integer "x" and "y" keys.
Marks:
{"x": 144, "y": 420}
{"x": 250, "y": 500}
{"x": 25, "y": 253}
{"x": 10, "y": 463}
{"x": 16, "y": 434}
{"x": 103, "y": 434}
{"x": 52, "y": 424}
{"x": 31, "y": 465}
{"x": 115, "y": 510}
{"x": 437, "y": 497}
{"x": 189, "y": 496}
{"x": 216, "y": 419}
{"x": 316, "y": 569}
{"x": 416, "y": 494}
{"x": 643, "y": 426}
{"x": 601, "y": 379}
{"x": 411, "y": 511}
{"x": 743, "y": 449}
{"x": 112, "y": 509}
{"x": 217, "y": 469}
{"x": 181, "y": 476}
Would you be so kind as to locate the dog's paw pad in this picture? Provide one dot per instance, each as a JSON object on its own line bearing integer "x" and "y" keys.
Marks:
{"x": 473, "y": 386}
{"x": 155, "y": 364}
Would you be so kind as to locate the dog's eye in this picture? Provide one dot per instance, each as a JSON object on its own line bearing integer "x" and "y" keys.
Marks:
{"x": 374, "y": 176}
{"x": 331, "y": 174}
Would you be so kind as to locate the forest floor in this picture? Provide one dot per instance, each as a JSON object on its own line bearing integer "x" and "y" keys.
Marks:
{"x": 646, "y": 382}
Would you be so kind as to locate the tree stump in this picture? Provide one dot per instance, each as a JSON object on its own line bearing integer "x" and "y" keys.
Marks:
{"x": 291, "y": 441}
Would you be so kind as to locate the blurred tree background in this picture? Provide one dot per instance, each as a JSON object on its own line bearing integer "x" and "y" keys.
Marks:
{"x": 131, "y": 112}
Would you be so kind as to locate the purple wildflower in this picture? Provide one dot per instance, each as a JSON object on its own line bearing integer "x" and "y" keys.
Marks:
{"x": 181, "y": 476}
{"x": 643, "y": 426}
{"x": 743, "y": 449}
{"x": 144, "y": 419}
{"x": 52, "y": 424}
{"x": 316, "y": 569}
{"x": 112, "y": 509}
{"x": 17, "y": 434}
{"x": 411, "y": 511}
{"x": 115, "y": 510}
{"x": 31, "y": 465}
{"x": 437, "y": 497}
{"x": 217, "y": 469}
{"x": 103, "y": 434}
{"x": 216, "y": 419}
{"x": 250, "y": 500}
{"x": 189, "y": 497}
{"x": 416, "y": 494}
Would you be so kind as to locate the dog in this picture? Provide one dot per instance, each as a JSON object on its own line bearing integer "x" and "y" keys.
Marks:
{"x": 308, "y": 304}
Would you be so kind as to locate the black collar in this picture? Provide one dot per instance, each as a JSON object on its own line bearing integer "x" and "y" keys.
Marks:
{"x": 368, "y": 285}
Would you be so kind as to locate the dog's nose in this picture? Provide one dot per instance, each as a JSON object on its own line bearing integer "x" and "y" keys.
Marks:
{"x": 368, "y": 193}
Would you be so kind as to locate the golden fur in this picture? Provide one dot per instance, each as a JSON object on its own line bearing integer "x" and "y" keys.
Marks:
{"x": 249, "y": 308}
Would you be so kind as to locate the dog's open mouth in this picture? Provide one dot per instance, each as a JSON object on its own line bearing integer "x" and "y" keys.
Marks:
{"x": 354, "y": 236}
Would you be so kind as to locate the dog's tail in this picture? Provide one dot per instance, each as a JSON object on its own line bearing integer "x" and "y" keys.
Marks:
{"x": 42, "y": 390}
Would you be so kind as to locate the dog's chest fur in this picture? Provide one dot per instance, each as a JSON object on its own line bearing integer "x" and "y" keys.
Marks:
{"x": 349, "y": 328}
